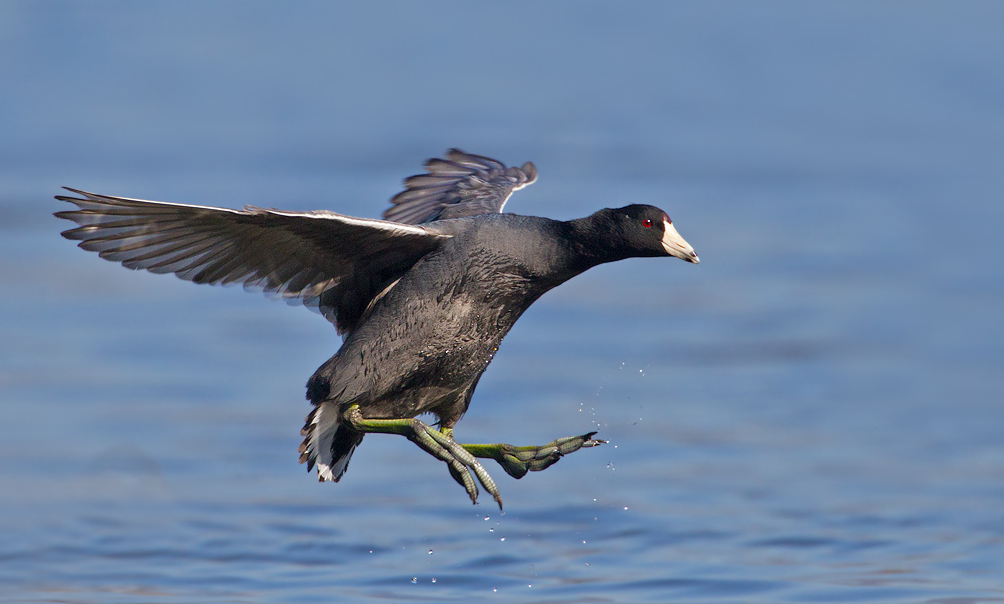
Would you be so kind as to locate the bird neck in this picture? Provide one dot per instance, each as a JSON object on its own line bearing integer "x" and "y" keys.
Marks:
{"x": 594, "y": 241}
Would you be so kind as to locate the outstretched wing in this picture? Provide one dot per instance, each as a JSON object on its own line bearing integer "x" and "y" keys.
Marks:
{"x": 336, "y": 264}
{"x": 460, "y": 185}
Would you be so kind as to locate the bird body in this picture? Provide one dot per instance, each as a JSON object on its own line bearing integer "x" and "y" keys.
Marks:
{"x": 422, "y": 307}
{"x": 422, "y": 347}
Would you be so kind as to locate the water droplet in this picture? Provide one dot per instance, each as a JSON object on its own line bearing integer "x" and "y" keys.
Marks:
{"x": 414, "y": 579}
{"x": 487, "y": 518}
{"x": 625, "y": 507}
{"x": 502, "y": 539}
{"x": 430, "y": 551}
{"x": 433, "y": 579}
{"x": 583, "y": 542}
{"x": 495, "y": 589}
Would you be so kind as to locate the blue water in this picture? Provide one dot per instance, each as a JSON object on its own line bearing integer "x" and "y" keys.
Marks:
{"x": 813, "y": 414}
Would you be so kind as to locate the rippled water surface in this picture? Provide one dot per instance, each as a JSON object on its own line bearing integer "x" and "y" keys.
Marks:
{"x": 813, "y": 414}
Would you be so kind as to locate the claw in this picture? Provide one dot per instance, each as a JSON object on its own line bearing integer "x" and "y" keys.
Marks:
{"x": 456, "y": 457}
{"x": 463, "y": 477}
{"x": 462, "y": 456}
{"x": 517, "y": 461}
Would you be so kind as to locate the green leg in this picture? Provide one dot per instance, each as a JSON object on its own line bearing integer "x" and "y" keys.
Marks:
{"x": 439, "y": 443}
{"x": 517, "y": 461}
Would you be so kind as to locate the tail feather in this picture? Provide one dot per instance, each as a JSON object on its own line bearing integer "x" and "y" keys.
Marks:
{"x": 328, "y": 443}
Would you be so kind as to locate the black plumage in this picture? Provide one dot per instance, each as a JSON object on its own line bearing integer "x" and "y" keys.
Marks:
{"x": 423, "y": 298}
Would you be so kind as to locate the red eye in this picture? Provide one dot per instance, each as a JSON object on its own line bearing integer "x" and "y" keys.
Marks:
{"x": 647, "y": 223}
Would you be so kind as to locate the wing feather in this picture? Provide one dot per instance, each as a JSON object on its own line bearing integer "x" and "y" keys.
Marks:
{"x": 333, "y": 263}
{"x": 461, "y": 184}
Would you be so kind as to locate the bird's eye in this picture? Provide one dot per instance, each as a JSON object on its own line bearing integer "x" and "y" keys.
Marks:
{"x": 647, "y": 223}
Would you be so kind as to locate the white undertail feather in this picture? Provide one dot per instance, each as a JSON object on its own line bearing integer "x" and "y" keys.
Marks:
{"x": 319, "y": 430}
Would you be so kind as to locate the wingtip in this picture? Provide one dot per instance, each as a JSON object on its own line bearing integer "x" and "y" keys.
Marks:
{"x": 77, "y": 191}
{"x": 531, "y": 172}
{"x": 64, "y": 197}
{"x": 84, "y": 195}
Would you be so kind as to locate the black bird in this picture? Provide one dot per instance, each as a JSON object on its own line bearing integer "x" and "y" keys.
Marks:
{"x": 422, "y": 298}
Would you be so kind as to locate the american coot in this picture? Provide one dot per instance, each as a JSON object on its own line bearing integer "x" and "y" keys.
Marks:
{"x": 422, "y": 298}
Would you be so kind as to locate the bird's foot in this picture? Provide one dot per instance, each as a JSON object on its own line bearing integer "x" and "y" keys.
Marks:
{"x": 517, "y": 461}
{"x": 438, "y": 443}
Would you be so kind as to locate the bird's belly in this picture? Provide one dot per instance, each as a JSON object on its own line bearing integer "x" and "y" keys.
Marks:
{"x": 424, "y": 346}
{"x": 424, "y": 357}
